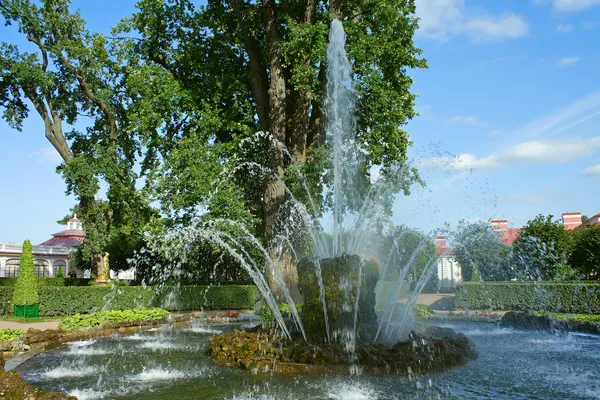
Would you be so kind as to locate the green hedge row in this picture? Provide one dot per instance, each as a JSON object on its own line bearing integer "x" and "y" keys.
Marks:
{"x": 50, "y": 282}
{"x": 57, "y": 300}
{"x": 565, "y": 297}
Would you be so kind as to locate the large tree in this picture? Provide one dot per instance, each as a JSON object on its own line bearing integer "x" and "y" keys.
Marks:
{"x": 72, "y": 75}
{"x": 542, "y": 249}
{"x": 585, "y": 257}
{"x": 260, "y": 65}
{"x": 479, "y": 248}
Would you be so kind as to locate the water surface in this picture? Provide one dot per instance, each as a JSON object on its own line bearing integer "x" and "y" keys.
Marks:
{"x": 171, "y": 364}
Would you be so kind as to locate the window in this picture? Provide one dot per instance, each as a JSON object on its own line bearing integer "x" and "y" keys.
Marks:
{"x": 42, "y": 268}
{"x": 59, "y": 264}
{"x": 12, "y": 267}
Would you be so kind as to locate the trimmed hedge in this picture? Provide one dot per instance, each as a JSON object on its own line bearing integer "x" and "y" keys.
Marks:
{"x": 566, "y": 297}
{"x": 51, "y": 281}
{"x": 6, "y": 294}
{"x": 57, "y": 300}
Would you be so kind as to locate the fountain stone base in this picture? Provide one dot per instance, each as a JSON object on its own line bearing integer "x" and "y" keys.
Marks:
{"x": 343, "y": 279}
{"x": 261, "y": 351}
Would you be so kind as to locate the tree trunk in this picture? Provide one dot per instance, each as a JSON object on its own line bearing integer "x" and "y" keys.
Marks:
{"x": 274, "y": 193}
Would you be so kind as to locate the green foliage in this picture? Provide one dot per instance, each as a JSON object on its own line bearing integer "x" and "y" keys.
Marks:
{"x": 59, "y": 273}
{"x": 26, "y": 289}
{"x": 479, "y": 248}
{"x": 203, "y": 94}
{"x": 266, "y": 313}
{"x": 585, "y": 256}
{"x": 6, "y": 295}
{"x": 422, "y": 311}
{"x": 547, "y": 296}
{"x": 10, "y": 334}
{"x": 542, "y": 249}
{"x": 80, "y": 321}
{"x": 595, "y": 318}
{"x": 409, "y": 245}
{"x": 55, "y": 301}
{"x": 88, "y": 299}
{"x": 73, "y": 72}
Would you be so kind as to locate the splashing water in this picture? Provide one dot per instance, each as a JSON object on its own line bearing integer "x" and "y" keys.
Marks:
{"x": 356, "y": 209}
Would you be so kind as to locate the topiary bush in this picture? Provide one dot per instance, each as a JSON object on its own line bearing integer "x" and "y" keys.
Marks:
{"x": 26, "y": 288}
{"x": 59, "y": 273}
{"x": 572, "y": 297}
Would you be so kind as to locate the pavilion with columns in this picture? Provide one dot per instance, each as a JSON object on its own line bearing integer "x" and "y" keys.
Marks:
{"x": 48, "y": 256}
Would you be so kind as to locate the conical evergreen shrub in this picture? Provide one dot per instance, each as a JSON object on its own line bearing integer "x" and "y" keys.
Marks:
{"x": 26, "y": 289}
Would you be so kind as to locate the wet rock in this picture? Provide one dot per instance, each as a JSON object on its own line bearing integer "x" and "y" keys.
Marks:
{"x": 439, "y": 332}
{"x": 14, "y": 387}
{"x": 36, "y": 336}
{"x": 437, "y": 350}
{"x": 5, "y": 345}
{"x": 340, "y": 279}
{"x": 529, "y": 321}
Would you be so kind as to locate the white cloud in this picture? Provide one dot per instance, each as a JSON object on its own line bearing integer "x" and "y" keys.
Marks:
{"x": 442, "y": 19}
{"x": 485, "y": 28}
{"x": 537, "y": 197}
{"x": 594, "y": 170}
{"x": 574, "y": 5}
{"x": 564, "y": 28}
{"x": 547, "y": 151}
{"x": 496, "y": 132}
{"x": 563, "y": 118}
{"x": 46, "y": 155}
{"x": 464, "y": 120}
{"x": 568, "y": 61}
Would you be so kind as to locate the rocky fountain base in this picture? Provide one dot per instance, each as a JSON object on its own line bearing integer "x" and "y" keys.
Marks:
{"x": 261, "y": 351}
{"x": 345, "y": 344}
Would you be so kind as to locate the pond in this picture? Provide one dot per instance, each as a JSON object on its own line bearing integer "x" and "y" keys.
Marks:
{"x": 171, "y": 364}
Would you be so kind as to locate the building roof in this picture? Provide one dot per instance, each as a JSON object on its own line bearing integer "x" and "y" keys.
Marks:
{"x": 66, "y": 238}
{"x": 510, "y": 235}
{"x": 72, "y": 236}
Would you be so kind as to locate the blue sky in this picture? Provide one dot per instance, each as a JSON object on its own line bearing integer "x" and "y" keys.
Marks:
{"x": 510, "y": 110}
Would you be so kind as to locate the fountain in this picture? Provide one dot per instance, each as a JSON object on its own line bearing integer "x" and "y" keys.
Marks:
{"x": 350, "y": 338}
{"x": 337, "y": 328}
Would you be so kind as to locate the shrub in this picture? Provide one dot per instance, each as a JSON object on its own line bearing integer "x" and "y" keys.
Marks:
{"x": 10, "y": 334}
{"x": 572, "y": 297}
{"x": 88, "y": 299}
{"x": 70, "y": 300}
{"x": 267, "y": 315}
{"x": 422, "y": 311}
{"x": 26, "y": 289}
{"x": 80, "y": 321}
{"x": 6, "y": 294}
{"x": 59, "y": 273}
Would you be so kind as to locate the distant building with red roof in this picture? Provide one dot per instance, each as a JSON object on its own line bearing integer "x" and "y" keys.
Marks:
{"x": 48, "y": 256}
{"x": 594, "y": 221}
{"x": 71, "y": 237}
{"x": 507, "y": 235}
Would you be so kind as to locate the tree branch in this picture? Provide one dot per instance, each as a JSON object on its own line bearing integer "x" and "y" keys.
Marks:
{"x": 90, "y": 95}
{"x": 258, "y": 72}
